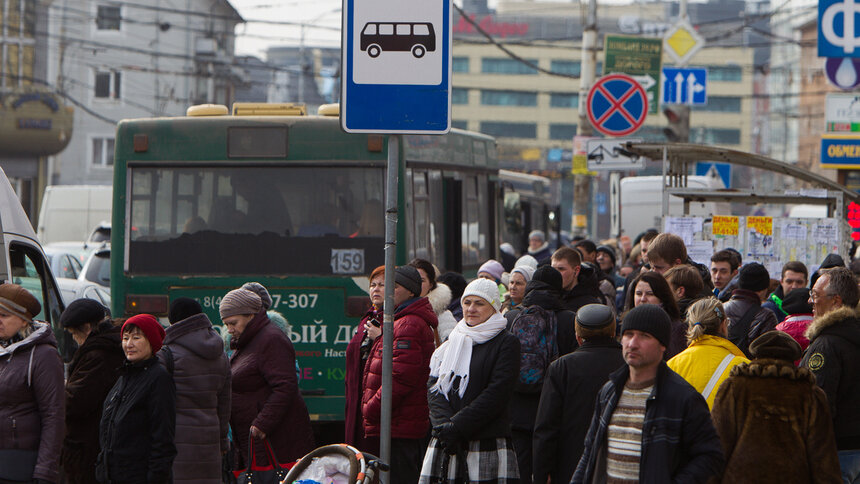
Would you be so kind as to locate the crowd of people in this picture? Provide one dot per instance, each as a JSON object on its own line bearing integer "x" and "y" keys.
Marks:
{"x": 623, "y": 361}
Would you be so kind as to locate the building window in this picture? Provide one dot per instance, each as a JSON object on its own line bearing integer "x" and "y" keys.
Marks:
{"x": 716, "y": 136}
{"x": 724, "y": 73}
{"x": 108, "y": 17}
{"x": 17, "y": 43}
{"x": 459, "y": 95}
{"x": 721, "y": 104}
{"x": 107, "y": 85}
{"x": 460, "y": 64}
{"x": 460, "y": 124}
{"x": 509, "y": 130}
{"x": 571, "y": 68}
{"x": 562, "y": 131}
{"x": 491, "y": 65}
{"x": 103, "y": 151}
{"x": 564, "y": 100}
{"x": 508, "y": 98}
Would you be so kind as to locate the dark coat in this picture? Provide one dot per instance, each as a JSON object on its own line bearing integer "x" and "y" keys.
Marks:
{"x": 584, "y": 292}
{"x": 833, "y": 356}
{"x": 774, "y": 303}
{"x": 763, "y": 321}
{"x": 92, "y": 373}
{"x": 413, "y": 346}
{"x": 541, "y": 294}
{"x": 353, "y": 421}
{"x": 768, "y": 411}
{"x": 566, "y": 406}
{"x": 524, "y": 406}
{"x": 482, "y": 413}
{"x": 137, "y": 426}
{"x": 31, "y": 400}
{"x": 679, "y": 443}
{"x": 201, "y": 373}
{"x": 266, "y": 394}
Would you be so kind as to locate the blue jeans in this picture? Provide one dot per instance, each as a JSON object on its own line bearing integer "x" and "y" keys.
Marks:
{"x": 849, "y": 462}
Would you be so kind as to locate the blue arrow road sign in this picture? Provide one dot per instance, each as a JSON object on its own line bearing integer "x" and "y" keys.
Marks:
{"x": 685, "y": 86}
{"x": 724, "y": 170}
{"x": 397, "y": 66}
{"x": 838, "y": 28}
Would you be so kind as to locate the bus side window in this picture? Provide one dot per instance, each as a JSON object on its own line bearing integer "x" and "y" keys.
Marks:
{"x": 369, "y": 29}
{"x": 420, "y": 29}
{"x": 386, "y": 29}
{"x": 403, "y": 29}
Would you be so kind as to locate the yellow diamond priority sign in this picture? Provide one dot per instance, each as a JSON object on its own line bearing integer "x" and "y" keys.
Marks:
{"x": 682, "y": 41}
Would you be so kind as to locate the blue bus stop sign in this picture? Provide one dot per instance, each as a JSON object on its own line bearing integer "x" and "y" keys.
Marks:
{"x": 617, "y": 105}
{"x": 397, "y": 66}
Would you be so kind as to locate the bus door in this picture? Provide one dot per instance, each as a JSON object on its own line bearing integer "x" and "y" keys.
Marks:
{"x": 454, "y": 222}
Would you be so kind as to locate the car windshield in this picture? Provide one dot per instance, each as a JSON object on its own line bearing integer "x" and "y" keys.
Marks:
{"x": 257, "y": 220}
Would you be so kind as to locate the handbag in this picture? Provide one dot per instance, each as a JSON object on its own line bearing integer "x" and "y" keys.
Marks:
{"x": 273, "y": 473}
{"x": 17, "y": 464}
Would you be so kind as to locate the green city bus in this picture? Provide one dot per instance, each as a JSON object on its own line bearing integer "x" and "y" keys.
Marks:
{"x": 205, "y": 203}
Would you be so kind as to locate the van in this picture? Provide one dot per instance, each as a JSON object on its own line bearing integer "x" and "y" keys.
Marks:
{"x": 641, "y": 202}
{"x": 23, "y": 262}
{"x": 70, "y": 212}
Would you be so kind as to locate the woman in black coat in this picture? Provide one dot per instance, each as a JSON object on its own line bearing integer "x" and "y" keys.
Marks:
{"x": 92, "y": 373}
{"x": 472, "y": 376}
{"x": 139, "y": 416}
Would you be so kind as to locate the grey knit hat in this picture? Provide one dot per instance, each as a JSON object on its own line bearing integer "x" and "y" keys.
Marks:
{"x": 240, "y": 301}
{"x": 260, "y": 290}
{"x": 409, "y": 278}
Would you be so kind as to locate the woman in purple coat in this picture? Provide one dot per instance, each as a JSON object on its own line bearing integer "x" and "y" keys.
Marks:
{"x": 266, "y": 400}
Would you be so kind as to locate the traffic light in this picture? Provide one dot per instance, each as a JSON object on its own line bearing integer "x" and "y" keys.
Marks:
{"x": 678, "y": 130}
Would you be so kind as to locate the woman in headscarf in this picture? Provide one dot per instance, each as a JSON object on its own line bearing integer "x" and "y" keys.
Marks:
{"x": 520, "y": 276}
{"x": 472, "y": 377}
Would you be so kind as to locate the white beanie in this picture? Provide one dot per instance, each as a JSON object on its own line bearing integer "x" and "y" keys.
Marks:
{"x": 527, "y": 260}
{"x": 526, "y": 271}
{"x": 484, "y": 289}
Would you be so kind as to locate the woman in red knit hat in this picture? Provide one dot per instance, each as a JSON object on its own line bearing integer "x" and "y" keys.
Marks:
{"x": 139, "y": 417}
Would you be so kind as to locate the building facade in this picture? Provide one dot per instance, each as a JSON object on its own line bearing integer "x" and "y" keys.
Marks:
{"x": 129, "y": 60}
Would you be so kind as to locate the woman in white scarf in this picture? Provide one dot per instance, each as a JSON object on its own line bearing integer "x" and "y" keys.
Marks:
{"x": 472, "y": 376}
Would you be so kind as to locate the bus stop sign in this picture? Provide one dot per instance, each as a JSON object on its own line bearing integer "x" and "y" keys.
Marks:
{"x": 617, "y": 105}
{"x": 397, "y": 67}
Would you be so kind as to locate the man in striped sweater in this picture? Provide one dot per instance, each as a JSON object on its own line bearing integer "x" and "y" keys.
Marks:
{"x": 649, "y": 424}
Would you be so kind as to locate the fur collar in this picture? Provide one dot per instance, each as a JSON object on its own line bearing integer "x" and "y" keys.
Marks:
{"x": 770, "y": 368}
{"x": 830, "y": 319}
{"x": 440, "y": 298}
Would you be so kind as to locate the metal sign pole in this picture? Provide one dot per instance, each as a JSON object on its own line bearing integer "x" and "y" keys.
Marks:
{"x": 388, "y": 319}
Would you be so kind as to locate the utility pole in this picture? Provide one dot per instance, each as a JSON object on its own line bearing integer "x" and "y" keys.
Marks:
{"x": 582, "y": 183}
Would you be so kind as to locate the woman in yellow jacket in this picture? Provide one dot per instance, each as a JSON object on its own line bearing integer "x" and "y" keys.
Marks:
{"x": 709, "y": 356}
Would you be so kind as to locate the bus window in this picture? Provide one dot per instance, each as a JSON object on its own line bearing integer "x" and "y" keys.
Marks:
{"x": 195, "y": 216}
{"x": 369, "y": 29}
{"x": 421, "y": 207}
{"x": 421, "y": 29}
{"x": 403, "y": 29}
{"x": 386, "y": 29}
{"x": 29, "y": 271}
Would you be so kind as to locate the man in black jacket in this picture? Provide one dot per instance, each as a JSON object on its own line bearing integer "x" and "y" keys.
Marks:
{"x": 577, "y": 291}
{"x": 567, "y": 399}
{"x": 833, "y": 357}
{"x": 645, "y": 398}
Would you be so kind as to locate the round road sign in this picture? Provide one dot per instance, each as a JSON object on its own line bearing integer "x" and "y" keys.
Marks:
{"x": 617, "y": 105}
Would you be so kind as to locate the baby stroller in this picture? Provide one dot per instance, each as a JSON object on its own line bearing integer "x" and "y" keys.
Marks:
{"x": 336, "y": 464}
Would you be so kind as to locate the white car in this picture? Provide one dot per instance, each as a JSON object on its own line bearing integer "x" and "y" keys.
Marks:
{"x": 97, "y": 269}
{"x": 72, "y": 289}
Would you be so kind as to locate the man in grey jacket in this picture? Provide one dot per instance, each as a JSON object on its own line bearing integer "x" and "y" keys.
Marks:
{"x": 194, "y": 353}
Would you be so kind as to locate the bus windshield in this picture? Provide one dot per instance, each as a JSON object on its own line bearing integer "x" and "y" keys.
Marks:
{"x": 255, "y": 220}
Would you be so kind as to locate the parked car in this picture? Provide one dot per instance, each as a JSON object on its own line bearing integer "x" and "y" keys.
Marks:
{"x": 97, "y": 268}
{"x": 65, "y": 263}
{"x": 72, "y": 289}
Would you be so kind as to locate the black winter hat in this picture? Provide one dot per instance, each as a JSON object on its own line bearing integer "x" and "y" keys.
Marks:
{"x": 549, "y": 275}
{"x": 753, "y": 277}
{"x": 409, "y": 278}
{"x": 777, "y": 345}
{"x": 183, "y": 308}
{"x": 608, "y": 251}
{"x": 82, "y": 311}
{"x": 456, "y": 282}
{"x": 797, "y": 302}
{"x": 651, "y": 319}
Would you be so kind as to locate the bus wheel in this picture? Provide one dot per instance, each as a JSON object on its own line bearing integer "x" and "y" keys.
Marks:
{"x": 373, "y": 50}
{"x": 418, "y": 50}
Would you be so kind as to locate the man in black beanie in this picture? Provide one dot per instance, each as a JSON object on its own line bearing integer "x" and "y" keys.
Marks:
{"x": 747, "y": 318}
{"x": 674, "y": 440}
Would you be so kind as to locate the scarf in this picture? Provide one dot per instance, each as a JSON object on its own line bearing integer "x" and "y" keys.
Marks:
{"x": 452, "y": 359}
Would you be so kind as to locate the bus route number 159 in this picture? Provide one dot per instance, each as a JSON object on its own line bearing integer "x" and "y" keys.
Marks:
{"x": 347, "y": 261}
